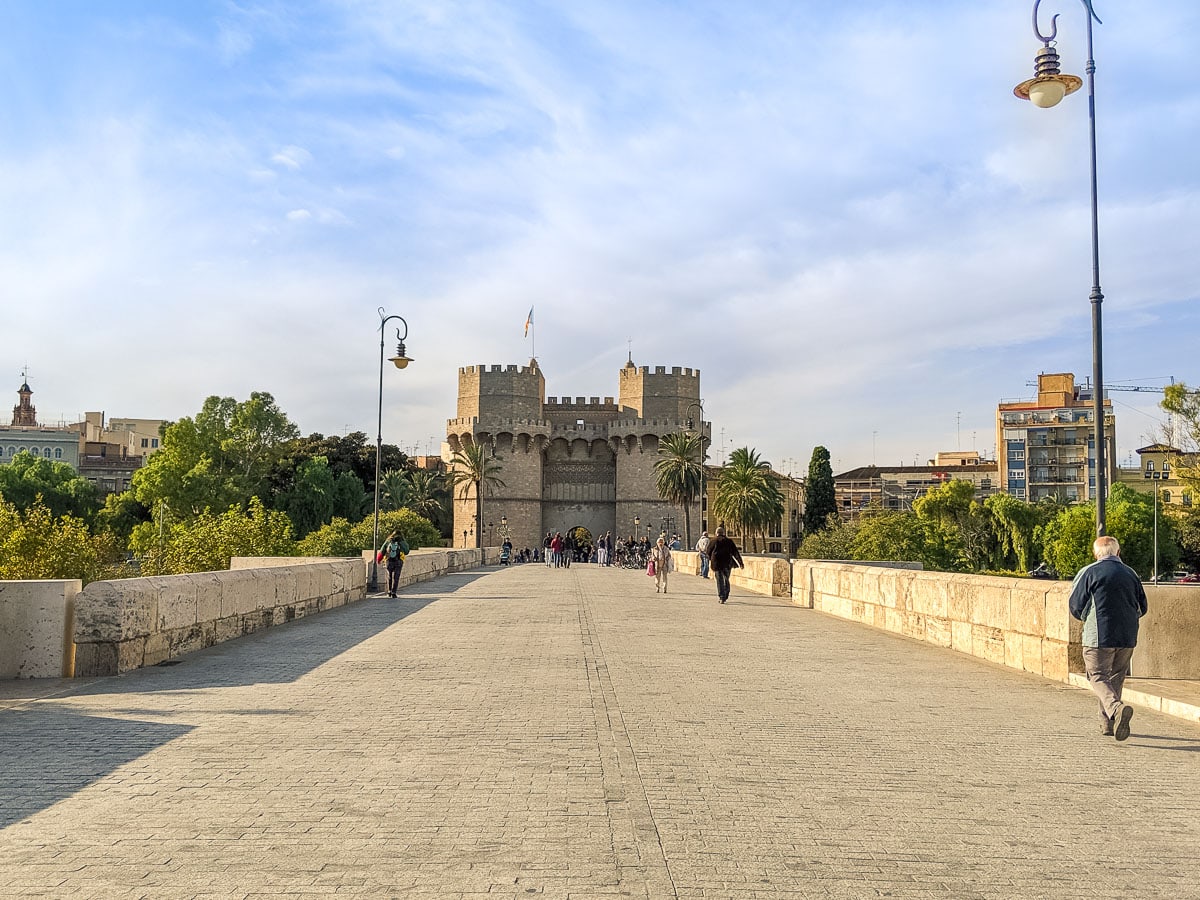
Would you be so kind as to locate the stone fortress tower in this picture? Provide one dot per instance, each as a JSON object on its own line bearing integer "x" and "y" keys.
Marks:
{"x": 571, "y": 463}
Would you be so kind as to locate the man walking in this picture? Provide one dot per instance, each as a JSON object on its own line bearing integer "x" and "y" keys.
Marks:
{"x": 1108, "y": 598}
{"x": 702, "y": 549}
{"x": 722, "y": 554}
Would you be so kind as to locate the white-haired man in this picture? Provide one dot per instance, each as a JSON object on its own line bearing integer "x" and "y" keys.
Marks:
{"x": 1109, "y": 599}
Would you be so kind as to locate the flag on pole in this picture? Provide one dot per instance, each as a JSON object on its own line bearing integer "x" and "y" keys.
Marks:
{"x": 528, "y": 321}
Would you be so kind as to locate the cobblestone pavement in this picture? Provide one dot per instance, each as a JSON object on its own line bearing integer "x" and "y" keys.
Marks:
{"x": 568, "y": 733}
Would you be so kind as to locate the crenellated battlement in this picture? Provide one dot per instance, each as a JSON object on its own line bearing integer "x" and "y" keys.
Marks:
{"x": 676, "y": 371}
{"x": 609, "y": 405}
{"x": 484, "y": 369}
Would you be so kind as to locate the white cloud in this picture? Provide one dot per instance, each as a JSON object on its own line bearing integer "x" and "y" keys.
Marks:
{"x": 292, "y": 157}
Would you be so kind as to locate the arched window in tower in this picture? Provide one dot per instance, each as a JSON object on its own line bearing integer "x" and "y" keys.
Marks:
{"x": 1166, "y": 496}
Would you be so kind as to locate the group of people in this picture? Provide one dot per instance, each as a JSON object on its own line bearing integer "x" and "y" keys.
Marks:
{"x": 717, "y": 555}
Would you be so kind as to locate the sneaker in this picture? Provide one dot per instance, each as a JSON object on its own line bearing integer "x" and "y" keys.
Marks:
{"x": 1121, "y": 721}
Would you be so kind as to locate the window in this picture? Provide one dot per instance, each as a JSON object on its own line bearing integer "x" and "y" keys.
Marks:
{"x": 154, "y": 443}
{"x": 1187, "y": 499}
{"x": 12, "y": 451}
{"x": 1019, "y": 493}
{"x": 145, "y": 442}
{"x": 1016, "y": 475}
{"x": 58, "y": 452}
{"x": 48, "y": 453}
{"x": 1166, "y": 496}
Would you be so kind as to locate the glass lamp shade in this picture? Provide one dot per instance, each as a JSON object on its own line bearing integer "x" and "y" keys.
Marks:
{"x": 400, "y": 362}
{"x": 1047, "y": 92}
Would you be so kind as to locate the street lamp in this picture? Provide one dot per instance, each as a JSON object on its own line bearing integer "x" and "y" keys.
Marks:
{"x": 637, "y": 526}
{"x": 1046, "y": 89}
{"x": 400, "y": 361}
{"x": 491, "y": 525}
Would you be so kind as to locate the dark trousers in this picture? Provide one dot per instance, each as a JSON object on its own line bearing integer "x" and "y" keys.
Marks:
{"x": 722, "y": 583}
{"x": 394, "y": 567}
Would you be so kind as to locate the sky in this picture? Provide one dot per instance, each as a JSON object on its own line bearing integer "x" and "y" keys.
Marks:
{"x": 838, "y": 212}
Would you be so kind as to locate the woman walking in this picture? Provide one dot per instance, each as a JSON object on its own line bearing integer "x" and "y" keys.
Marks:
{"x": 663, "y": 564}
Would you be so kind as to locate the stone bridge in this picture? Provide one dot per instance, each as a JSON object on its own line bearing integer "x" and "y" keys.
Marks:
{"x": 530, "y": 732}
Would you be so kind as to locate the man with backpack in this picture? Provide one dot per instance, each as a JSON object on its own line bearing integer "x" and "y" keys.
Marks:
{"x": 394, "y": 549}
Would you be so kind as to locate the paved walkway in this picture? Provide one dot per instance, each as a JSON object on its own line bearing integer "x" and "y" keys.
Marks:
{"x": 538, "y": 733}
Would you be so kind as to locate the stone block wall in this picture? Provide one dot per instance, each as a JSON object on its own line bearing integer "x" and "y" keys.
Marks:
{"x": 1169, "y": 638}
{"x": 36, "y": 624}
{"x": 129, "y": 623}
{"x": 1016, "y": 622}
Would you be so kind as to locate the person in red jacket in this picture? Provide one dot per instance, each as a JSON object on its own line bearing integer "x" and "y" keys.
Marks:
{"x": 722, "y": 555}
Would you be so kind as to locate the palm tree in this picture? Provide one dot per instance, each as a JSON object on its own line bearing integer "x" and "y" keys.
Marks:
{"x": 746, "y": 495}
{"x": 393, "y": 489}
{"x": 427, "y": 495}
{"x": 678, "y": 473}
{"x": 472, "y": 466}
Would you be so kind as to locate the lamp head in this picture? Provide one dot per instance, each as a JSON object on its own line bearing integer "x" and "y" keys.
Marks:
{"x": 1048, "y": 85}
{"x": 401, "y": 359}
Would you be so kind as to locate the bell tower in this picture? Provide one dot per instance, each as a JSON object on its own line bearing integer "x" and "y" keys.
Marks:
{"x": 25, "y": 413}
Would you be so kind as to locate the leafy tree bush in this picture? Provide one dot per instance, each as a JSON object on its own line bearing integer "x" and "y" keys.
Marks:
{"x": 341, "y": 538}
{"x": 896, "y": 536}
{"x": 836, "y": 540}
{"x": 62, "y": 490}
{"x": 207, "y": 542}
{"x": 34, "y": 543}
{"x": 219, "y": 459}
{"x": 120, "y": 514}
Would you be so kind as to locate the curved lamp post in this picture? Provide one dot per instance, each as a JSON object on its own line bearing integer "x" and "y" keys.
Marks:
{"x": 699, "y": 405}
{"x": 400, "y": 361}
{"x": 1047, "y": 87}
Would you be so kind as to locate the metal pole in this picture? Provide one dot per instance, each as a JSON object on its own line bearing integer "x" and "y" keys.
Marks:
{"x": 1097, "y": 297}
{"x": 1154, "y": 577}
{"x": 373, "y": 584}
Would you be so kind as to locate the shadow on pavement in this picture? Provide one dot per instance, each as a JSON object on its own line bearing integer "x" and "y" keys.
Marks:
{"x": 52, "y": 752}
{"x": 286, "y": 652}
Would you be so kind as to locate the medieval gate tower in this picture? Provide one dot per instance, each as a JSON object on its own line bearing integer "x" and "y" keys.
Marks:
{"x": 565, "y": 463}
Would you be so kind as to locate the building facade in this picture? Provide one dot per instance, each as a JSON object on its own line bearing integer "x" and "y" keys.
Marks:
{"x": 897, "y": 487}
{"x": 582, "y": 463}
{"x": 1158, "y": 473}
{"x": 26, "y": 435}
{"x": 1046, "y": 447}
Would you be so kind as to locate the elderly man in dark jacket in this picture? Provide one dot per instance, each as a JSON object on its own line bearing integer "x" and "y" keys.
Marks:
{"x": 1109, "y": 599}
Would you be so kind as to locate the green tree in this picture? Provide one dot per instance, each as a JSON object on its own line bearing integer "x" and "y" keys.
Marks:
{"x": 1067, "y": 539}
{"x": 36, "y": 544}
{"x": 678, "y": 473}
{"x": 207, "y": 542}
{"x": 221, "y": 458}
{"x": 819, "y": 497}
{"x": 894, "y": 535}
{"x": 428, "y": 497}
{"x": 472, "y": 468}
{"x": 393, "y": 489}
{"x": 341, "y": 538}
{"x": 62, "y": 490}
{"x": 120, "y": 514}
{"x": 959, "y": 534}
{"x": 311, "y": 500}
{"x": 746, "y": 496}
{"x": 1014, "y": 522}
{"x": 836, "y": 540}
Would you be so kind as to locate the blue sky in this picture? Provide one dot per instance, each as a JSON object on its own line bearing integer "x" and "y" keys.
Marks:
{"x": 838, "y": 212}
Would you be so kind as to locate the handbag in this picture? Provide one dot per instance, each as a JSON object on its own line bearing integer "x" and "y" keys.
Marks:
{"x": 650, "y": 568}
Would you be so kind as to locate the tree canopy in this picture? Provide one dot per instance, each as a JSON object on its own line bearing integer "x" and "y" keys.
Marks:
{"x": 819, "y": 496}
{"x": 747, "y": 497}
{"x": 63, "y": 491}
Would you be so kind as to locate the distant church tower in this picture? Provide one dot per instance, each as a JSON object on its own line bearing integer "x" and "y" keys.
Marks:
{"x": 25, "y": 413}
